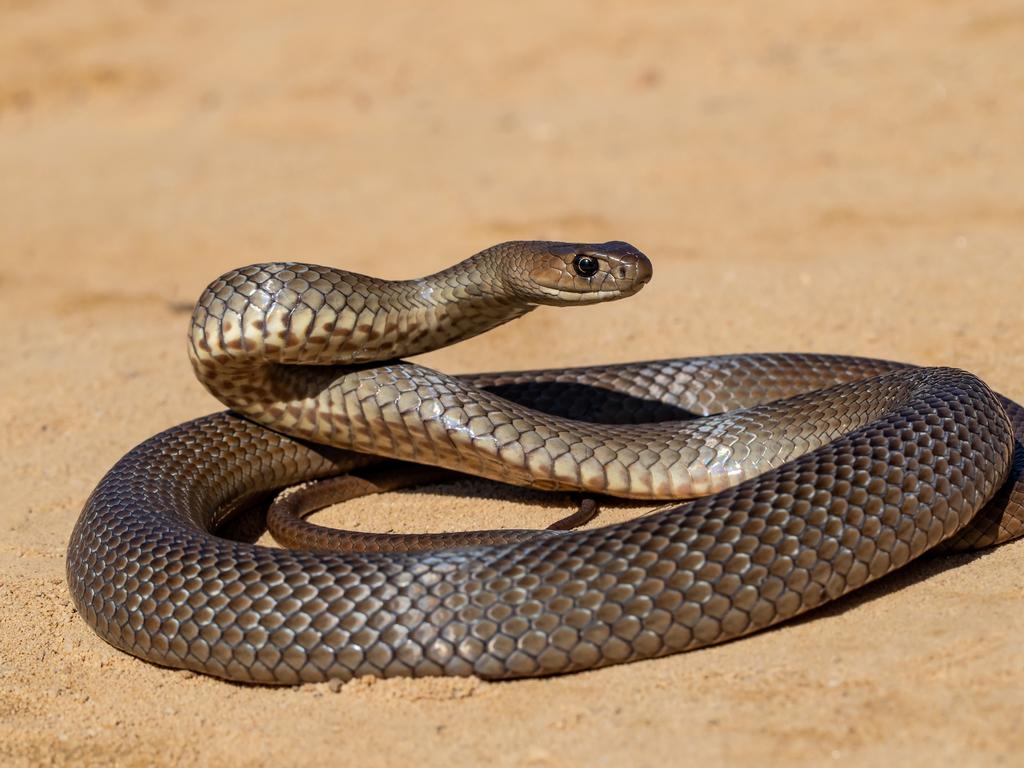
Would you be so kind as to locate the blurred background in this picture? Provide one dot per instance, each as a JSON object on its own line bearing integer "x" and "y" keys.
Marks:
{"x": 817, "y": 176}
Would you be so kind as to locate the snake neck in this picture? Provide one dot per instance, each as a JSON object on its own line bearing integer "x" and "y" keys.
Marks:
{"x": 252, "y": 321}
{"x": 455, "y": 304}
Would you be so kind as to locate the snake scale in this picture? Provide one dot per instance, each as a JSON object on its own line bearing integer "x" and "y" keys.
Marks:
{"x": 807, "y": 476}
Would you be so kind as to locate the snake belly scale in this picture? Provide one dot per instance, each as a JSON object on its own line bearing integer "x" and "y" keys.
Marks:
{"x": 808, "y": 476}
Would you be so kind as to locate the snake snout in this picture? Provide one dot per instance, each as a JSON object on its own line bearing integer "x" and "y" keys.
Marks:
{"x": 641, "y": 264}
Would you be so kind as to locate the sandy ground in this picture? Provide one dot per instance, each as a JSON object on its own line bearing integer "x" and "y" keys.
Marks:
{"x": 821, "y": 177}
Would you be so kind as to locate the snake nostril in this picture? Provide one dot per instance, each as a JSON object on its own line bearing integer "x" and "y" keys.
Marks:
{"x": 622, "y": 272}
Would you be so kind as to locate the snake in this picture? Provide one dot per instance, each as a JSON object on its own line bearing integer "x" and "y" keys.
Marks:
{"x": 785, "y": 481}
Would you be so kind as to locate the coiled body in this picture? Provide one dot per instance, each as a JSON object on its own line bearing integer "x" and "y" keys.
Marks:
{"x": 824, "y": 473}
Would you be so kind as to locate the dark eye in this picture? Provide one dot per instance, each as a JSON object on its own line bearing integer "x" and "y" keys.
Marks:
{"x": 585, "y": 266}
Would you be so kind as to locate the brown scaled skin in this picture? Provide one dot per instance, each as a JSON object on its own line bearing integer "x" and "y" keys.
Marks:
{"x": 824, "y": 473}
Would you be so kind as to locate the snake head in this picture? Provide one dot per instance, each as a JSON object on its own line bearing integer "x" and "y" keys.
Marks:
{"x": 579, "y": 273}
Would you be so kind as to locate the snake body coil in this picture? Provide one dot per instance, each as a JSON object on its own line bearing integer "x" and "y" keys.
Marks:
{"x": 824, "y": 473}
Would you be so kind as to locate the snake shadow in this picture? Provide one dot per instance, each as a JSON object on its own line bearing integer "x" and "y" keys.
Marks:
{"x": 588, "y": 403}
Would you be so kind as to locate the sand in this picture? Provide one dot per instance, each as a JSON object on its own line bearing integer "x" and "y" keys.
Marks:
{"x": 817, "y": 176}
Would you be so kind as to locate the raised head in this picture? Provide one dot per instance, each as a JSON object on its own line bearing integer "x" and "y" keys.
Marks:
{"x": 572, "y": 273}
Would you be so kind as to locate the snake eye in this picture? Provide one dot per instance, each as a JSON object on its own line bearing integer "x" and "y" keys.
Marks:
{"x": 585, "y": 266}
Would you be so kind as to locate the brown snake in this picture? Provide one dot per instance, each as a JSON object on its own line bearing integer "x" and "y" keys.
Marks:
{"x": 815, "y": 475}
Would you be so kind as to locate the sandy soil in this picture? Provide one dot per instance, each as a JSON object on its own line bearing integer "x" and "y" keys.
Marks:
{"x": 822, "y": 177}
